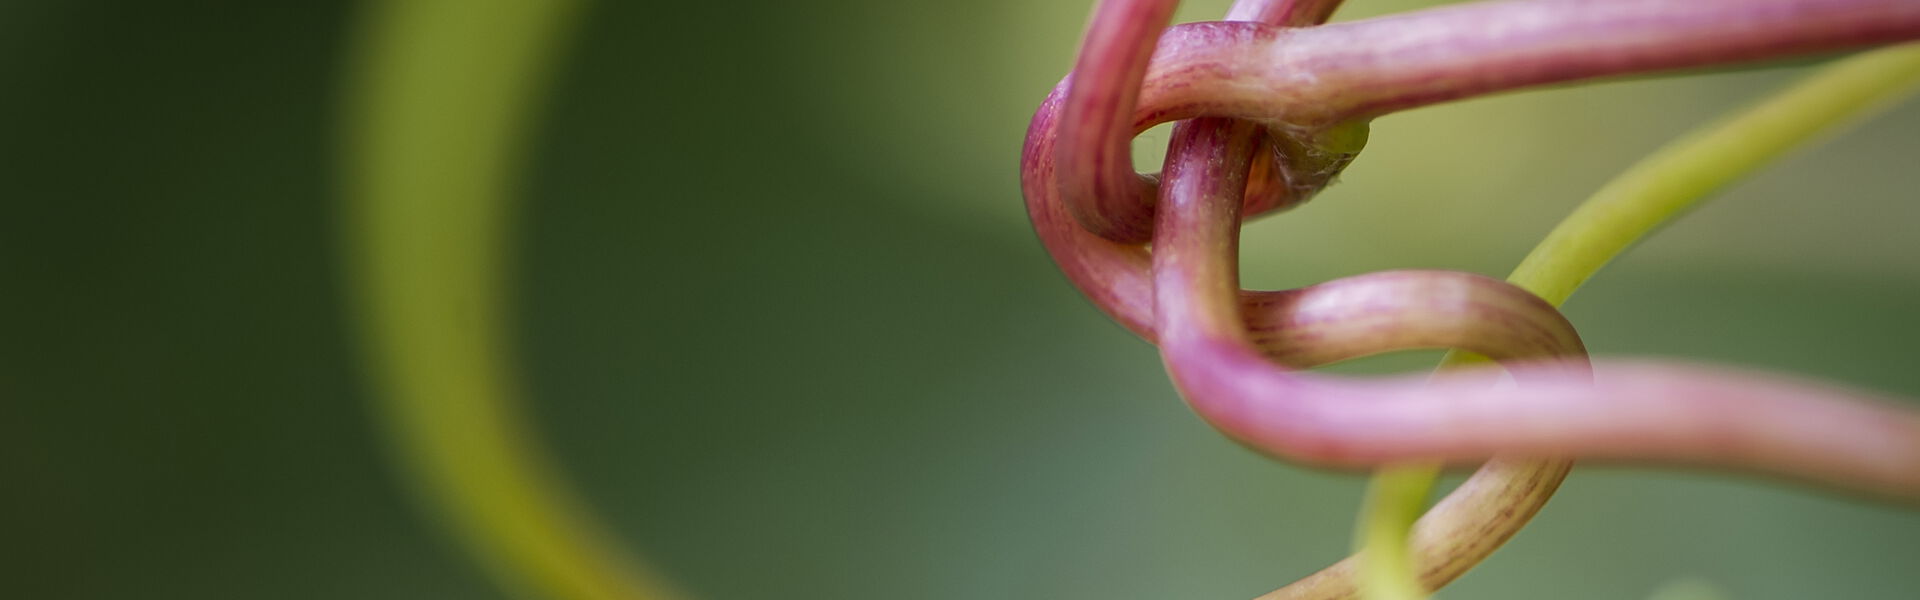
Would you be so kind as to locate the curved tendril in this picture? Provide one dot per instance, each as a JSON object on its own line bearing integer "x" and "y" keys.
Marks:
{"x": 1196, "y": 282}
{"x": 1626, "y": 209}
{"x": 1294, "y": 80}
{"x": 1322, "y": 324}
{"x": 439, "y": 106}
{"x": 1102, "y": 190}
{"x": 1330, "y": 327}
{"x": 1650, "y": 414}
{"x": 1654, "y": 413}
{"x": 1693, "y": 167}
{"x": 1399, "y": 310}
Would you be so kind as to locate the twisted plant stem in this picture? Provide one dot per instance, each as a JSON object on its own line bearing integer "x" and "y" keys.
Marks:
{"x": 1296, "y": 82}
{"x": 1623, "y": 211}
{"x": 1511, "y": 490}
{"x": 438, "y": 108}
{"x": 1390, "y": 311}
{"x": 1309, "y": 87}
{"x": 1196, "y": 273}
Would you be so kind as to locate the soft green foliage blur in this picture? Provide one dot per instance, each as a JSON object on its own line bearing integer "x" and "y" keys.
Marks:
{"x": 783, "y": 323}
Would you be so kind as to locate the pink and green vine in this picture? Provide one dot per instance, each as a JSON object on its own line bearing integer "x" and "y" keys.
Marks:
{"x": 1272, "y": 104}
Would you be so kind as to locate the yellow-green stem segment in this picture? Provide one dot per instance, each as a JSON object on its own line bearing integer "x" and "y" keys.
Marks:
{"x": 1623, "y": 211}
{"x": 437, "y": 107}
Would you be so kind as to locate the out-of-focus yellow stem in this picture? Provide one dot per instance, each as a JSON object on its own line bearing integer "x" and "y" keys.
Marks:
{"x": 436, "y": 110}
{"x": 1623, "y": 211}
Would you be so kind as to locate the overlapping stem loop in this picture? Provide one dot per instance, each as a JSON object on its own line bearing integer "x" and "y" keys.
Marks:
{"x": 1301, "y": 97}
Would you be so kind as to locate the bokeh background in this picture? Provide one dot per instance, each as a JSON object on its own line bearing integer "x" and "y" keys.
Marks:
{"x": 784, "y": 325}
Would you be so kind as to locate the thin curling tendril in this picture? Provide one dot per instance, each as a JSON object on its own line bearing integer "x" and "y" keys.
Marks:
{"x": 1654, "y": 191}
{"x": 1651, "y": 413}
{"x": 444, "y": 102}
{"x": 442, "y": 95}
{"x": 1520, "y": 487}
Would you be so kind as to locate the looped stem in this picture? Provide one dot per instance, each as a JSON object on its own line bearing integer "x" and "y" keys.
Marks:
{"x": 1626, "y": 209}
{"x": 1305, "y": 84}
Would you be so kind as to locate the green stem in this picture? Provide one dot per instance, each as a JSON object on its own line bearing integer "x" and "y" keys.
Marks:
{"x": 1395, "y": 498}
{"x": 1623, "y": 211}
{"x": 437, "y": 112}
{"x": 1693, "y": 167}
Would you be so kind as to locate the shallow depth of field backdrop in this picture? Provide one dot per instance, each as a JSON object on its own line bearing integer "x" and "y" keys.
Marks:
{"x": 785, "y": 325}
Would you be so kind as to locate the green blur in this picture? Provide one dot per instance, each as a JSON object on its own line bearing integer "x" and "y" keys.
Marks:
{"x": 782, "y": 323}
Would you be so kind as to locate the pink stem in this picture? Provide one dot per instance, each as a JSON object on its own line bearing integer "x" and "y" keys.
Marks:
{"x": 1317, "y": 76}
{"x": 1302, "y": 80}
{"x": 1641, "y": 412}
{"x": 1664, "y": 414}
{"x": 1095, "y": 151}
{"x": 1285, "y": 13}
{"x": 1100, "y": 186}
{"x": 1787, "y": 428}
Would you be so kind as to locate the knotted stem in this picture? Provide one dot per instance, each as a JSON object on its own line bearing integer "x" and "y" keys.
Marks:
{"x": 1310, "y": 88}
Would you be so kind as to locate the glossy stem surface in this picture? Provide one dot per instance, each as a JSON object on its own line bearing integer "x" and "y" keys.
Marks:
{"x": 1095, "y": 160}
{"x": 1305, "y": 82}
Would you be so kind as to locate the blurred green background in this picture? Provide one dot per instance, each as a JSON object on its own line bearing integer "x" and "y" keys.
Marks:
{"x": 785, "y": 326}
